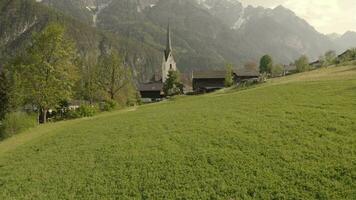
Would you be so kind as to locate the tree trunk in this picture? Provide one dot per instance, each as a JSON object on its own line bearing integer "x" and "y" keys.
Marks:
{"x": 44, "y": 115}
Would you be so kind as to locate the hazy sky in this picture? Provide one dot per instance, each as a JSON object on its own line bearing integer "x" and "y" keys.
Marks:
{"x": 327, "y": 16}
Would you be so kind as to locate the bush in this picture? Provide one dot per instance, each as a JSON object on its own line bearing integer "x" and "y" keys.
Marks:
{"x": 15, "y": 123}
{"x": 82, "y": 111}
{"x": 108, "y": 105}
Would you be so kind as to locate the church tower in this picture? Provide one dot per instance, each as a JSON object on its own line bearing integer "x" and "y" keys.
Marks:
{"x": 168, "y": 63}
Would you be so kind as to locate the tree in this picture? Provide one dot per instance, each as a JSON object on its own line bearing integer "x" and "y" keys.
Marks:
{"x": 112, "y": 74}
{"x": 330, "y": 58}
{"x": 349, "y": 55}
{"x": 87, "y": 87}
{"x": 302, "y": 64}
{"x": 48, "y": 72}
{"x": 4, "y": 96}
{"x": 229, "y": 79}
{"x": 266, "y": 64}
{"x": 173, "y": 86}
{"x": 277, "y": 70}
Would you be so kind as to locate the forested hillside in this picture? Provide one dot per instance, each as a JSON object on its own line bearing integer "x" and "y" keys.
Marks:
{"x": 19, "y": 19}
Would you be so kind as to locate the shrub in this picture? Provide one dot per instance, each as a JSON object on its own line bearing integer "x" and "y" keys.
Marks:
{"x": 82, "y": 111}
{"x": 108, "y": 105}
{"x": 87, "y": 110}
{"x": 15, "y": 123}
{"x": 229, "y": 79}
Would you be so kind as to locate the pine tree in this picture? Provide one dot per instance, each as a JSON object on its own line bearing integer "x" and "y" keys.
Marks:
{"x": 173, "y": 86}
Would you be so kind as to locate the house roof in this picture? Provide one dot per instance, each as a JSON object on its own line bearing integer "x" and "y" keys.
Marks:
{"x": 290, "y": 67}
{"x": 246, "y": 72}
{"x": 209, "y": 74}
{"x": 147, "y": 87}
{"x": 344, "y": 53}
{"x": 220, "y": 74}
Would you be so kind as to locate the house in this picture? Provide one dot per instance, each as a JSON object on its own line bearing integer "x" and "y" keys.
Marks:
{"x": 153, "y": 90}
{"x": 316, "y": 64}
{"x": 211, "y": 80}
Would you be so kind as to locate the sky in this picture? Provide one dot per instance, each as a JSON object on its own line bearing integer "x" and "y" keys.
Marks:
{"x": 327, "y": 16}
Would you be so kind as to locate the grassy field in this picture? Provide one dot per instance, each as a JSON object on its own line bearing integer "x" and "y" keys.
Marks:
{"x": 291, "y": 138}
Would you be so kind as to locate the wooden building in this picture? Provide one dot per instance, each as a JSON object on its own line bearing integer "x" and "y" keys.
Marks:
{"x": 211, "y": 80}
{"x": 208, "y": 80}
{"x": 151, "y": 91}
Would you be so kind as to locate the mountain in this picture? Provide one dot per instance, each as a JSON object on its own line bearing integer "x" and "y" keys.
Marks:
{"x": 346, "y": 41}
{"x": 19, "y": 19}
{"x": 206, "y": 33}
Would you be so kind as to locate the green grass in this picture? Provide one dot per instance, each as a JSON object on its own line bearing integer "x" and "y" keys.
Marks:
{"x": 291, "y": 138}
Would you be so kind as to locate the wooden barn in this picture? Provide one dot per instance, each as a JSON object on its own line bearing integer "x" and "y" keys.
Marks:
{"x": 208, "y": 80}
{"x": 151, "y": 91}
{"x": 211, "y": 80}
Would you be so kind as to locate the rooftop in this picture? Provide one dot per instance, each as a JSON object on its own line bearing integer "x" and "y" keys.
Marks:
{"x": 220, "y": 74}
{"x": 146, "y": 87}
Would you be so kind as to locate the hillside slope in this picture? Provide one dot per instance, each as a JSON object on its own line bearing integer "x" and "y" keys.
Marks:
{"x": 291, "y": 138}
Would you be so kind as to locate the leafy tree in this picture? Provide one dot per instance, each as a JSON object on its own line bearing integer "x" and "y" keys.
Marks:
{"x": 322, "y": 61}
{"x": 173, "y": 86}
{"x": 330, "y": 58}
{"x": 48, "y": 72}
{"x": 229, "y": 79}
{"x": 112, "y": 74}
{"x": 87, "y": 87}
{"x": 277, "y": 70}
{"x": 266, "y": 64}
{"x": 302, "y": 64}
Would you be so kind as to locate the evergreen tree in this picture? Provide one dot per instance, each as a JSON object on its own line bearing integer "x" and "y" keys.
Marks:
{"x": 48, "y": 72}
{"x": 173, "y": 86}
{"x": 229, "y": 79}
{"x": 266, "y": 64}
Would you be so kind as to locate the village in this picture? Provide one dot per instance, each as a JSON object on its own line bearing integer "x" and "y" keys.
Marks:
{"x": 205, "y": 81}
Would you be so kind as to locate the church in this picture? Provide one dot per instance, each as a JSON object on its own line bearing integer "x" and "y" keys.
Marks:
{"x": 153, "y": 91}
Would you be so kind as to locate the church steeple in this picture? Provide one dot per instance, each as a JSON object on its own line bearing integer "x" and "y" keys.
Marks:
{"x": 168, "y": 63}
{"x": 169, "y": 42}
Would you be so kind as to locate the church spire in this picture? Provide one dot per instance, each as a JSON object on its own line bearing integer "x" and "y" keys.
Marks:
{"x": 169, "y": 42}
